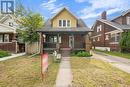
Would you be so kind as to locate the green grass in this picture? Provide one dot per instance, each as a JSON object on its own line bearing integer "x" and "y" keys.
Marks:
{"x": 114, "y": 53}
{"x": 25, "y": 72}
{"x": 96, "y": 73}
{"x": 4, "y": 54}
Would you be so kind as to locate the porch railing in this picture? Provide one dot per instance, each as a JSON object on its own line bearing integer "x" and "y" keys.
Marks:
{"x": 49, "y": 45}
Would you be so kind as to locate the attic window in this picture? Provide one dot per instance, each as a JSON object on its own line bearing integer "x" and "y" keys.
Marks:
{"x": 99, "y": 28}
{"x": 64, "y": 23}
{"x": 11, "y": 24}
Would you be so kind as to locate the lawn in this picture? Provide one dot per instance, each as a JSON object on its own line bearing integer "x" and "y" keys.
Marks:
{"x": 114, "y": 53}
{"x": 96, "y": 73}
{"x": 25, "y": 72}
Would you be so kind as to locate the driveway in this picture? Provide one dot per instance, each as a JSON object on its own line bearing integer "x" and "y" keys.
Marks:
{"x": 118, "y": 62}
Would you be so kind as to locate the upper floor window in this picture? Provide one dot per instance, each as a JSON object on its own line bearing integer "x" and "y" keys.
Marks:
{"x": 128, "y": 20}
{"x": 64, "y": 23}
{"x": 99, "y": 28}
{"x": 11, "y": 24}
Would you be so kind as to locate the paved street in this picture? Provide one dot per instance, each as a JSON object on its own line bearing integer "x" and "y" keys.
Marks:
{"x": 118, "y": 62}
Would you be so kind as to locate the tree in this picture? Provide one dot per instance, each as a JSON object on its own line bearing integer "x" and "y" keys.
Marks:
{"x": 125, "y": 41}
{"x": 31, "y": 23}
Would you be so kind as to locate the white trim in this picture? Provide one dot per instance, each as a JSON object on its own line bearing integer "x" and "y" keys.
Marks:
{"x": 128, "y": 20}
{"x": 96, "y": 36}
{"x": 113, "y": 32}
{"x": 114, "y": 43}
{"x": 104, "y": 21}
{"x": 66, "y": 20}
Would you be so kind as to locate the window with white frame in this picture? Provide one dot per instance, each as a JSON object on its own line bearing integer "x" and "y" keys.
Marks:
{"x": 6, "y": 38}
{"x": 1, "y": 38}
{"x": 115, "y": 37}
{"x": 99, "y": 28}
{"x": 107, "y": 37}
{"x": 11, "y": 24}
{"x": 128, "y": 20}
{"x": 64, "y": 23}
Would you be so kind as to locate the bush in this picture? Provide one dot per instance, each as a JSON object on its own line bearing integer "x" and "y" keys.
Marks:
{"x": 4, "y": 54}
{"x": 81, "y": 54}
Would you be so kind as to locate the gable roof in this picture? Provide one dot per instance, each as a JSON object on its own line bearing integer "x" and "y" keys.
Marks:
{"x": 63, "y": 10}
{"x": 123, "y": 14}
{"x": 5, "y": 18}
{"x": 6, "y": 29}
{"x": 115, "y": 25}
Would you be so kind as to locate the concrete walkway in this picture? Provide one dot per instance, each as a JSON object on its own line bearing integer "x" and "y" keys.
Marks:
{"x": 12, "y": 56}
{"x": 118, "y": 62}
{"x": 64, "y": 77}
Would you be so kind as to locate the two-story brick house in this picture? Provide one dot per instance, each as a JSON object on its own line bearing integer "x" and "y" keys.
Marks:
{"x": 65, "y": 31}
{"x": 8, "y": 35}
{"x": 107, "y": 33}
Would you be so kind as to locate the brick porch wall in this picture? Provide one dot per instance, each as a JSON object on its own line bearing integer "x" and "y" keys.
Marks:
{"x": 10, "y": 46}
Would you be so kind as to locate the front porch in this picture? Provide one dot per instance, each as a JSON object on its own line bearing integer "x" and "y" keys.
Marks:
{"x": 64, "y": 42}
{"x": 64, "y": 39}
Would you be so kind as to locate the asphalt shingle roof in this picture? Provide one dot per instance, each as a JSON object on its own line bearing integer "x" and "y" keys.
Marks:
{"x": 116, "y": 25}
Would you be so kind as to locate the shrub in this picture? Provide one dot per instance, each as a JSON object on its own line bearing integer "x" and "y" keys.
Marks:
{"x": 81, "y": 54}
{"x": 4, "y": 54}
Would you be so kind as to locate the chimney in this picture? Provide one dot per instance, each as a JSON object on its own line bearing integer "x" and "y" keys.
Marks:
{"x": 104, "y": 15}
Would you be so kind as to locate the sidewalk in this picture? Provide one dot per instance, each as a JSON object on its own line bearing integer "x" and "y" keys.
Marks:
{"x": 118, "y": 62}
{"x": 12, "y": 56}
{"x": 64, "y": 77}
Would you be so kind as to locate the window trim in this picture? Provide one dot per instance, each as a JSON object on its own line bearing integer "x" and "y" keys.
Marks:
{"x": 3, "y": 38}
{"x": 99, "y": 28}
{"x": 128, "y": 20}
{"x": 66, "y": 23}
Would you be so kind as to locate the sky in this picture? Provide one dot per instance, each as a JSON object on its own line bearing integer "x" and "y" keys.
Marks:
{"x": 88, "y": 10}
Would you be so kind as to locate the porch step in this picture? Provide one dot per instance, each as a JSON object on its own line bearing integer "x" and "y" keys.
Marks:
{"x": 65, "y": 53}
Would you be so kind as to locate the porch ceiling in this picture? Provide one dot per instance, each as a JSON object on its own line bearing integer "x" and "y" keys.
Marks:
{"x": 65, "y": 30}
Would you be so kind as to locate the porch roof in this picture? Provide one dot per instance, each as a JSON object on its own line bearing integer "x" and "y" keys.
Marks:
{"x": 65, "y": 30}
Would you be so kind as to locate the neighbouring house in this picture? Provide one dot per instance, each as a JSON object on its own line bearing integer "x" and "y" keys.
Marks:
{"x": 64, "y": 31}
{"x": 107, "y": 33}
{"x": 8, "y": 35}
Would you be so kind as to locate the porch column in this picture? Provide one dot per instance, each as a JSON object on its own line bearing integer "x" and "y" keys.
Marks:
{"x": 87, "y": 43}
{"x": 72, "y": 41}
{"x": 58, "y": 44}
{"x": 14, "y": 42}
{"x": 41, "y": 43}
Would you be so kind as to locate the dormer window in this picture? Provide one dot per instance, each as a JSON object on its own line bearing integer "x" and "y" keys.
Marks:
{"x": 11, "y": 24}
{"x": 128, "y": 20}
{"x": 64, "y": 23}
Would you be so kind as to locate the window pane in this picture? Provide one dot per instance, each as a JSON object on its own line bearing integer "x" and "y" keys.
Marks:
{"x": 6, "y": 38}
{"x": 68, "y": 23}
{"x": 64, "y": 23}
{"x": 60, "y": 23}
{"x": 55, "y": 39}
{"x": 1, "y": 38}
